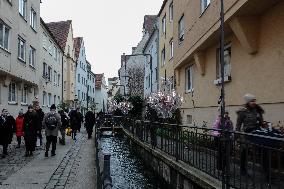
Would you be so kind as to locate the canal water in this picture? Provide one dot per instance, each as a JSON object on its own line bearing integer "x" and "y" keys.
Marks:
{"x": 127, "y": 170}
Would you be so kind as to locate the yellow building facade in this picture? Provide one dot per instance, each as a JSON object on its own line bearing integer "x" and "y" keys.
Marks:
{"x": 254, "y": 57}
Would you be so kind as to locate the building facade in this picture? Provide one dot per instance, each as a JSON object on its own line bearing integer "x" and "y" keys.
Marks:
{"x": 253, "y": 57}
{"x": 91, "y": 90}
{"x": 63, "y": 33}
{"x": 19, "y": 54}
{"x": 50, "y": 69}
{"x": 101, "y": 93}
{"x": 166, "y": 41}
{"x": 113, "y": 87}
{"x": 151, "y": 77}
{"x": 81, "y": 82}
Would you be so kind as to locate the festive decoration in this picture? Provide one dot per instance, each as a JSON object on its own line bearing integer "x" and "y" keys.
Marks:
{"x": 125, "y": 107}
{"x": 166, "y": 101}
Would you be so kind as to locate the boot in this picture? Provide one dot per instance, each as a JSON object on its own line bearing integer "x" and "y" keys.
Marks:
{"x": 53, "y": 154}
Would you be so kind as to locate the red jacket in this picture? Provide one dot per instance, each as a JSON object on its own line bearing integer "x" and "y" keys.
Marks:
{"x": 20, "y": 126}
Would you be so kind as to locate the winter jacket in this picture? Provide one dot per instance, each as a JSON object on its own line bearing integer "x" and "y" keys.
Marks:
{"x": 40, "y": 115}
{"x": 20, "y": 126}
{"x": 249, "y": 119}
{"x": 53, "y": 132}
{"x": 75, "y": 119}
{"x": 31, "y": 125}
{"x": 64, "y": 120}
{"x": 89, "y": 119}
{"x": 217, "y": 126}
{"x": 7, "y": 125}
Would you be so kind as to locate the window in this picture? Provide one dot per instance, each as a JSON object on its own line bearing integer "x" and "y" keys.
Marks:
{"x": 181, "y": 29}
{"x": 204, "y": 5}
{"x": 21, "y": 49}
{"x": 32, "y": 57}
{"x": 227, "y": 62}
{"x": 82, "y": 80}
{"x": 79, "y": 94}
{"x": 12, "y": 93}
{"x": 163, "y": 56}
{"x": 59, "y": 99}
{"x": 189, "y": 79}
{"x": 58, "y": 80}
{"x": 55, "y": 53}
{"x": 83, "y": 97}
{"x": 54, "y": 77}
{"x": 54, "y": 99}
{"x": 171, "y": 48}
{"x": 33, "y": 19}
{"x": 78, "y": 78}
{"x": 171, "y": 12}
{"x": 24, "y": 95}
{"x": 23, "y": 8}
{"x": 45, "y": 72}
{"x": 64, "y": 85}
{"x": 93, "y": 90}
{"x": 49, "y": 73}
{"x": 188, "y": 119}
{"x": 4, "y": 36}
{"x": 164, "y": 24}
{"x": 49, "y": 99}
{"x": 44, "y": 43}
{"x": 50, "y": 48}
{"x": 157, "y": 74}
{"x": 149, "y": 81}
{"x": 44, "y": 98}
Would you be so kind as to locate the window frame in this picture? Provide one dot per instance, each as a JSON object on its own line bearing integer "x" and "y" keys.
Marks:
{"x": 171, "y": 12}
{"x": 23, "y": 8}
{"x": 24, "y": 97}
{"x": 163, "y": 56}
{"x": 49, "y": 96}
{"x": 12, "y": 98}
{"x": 44, "y": 98}
{"x": 228, "y": 47}
{"x": 204, "y": 5}
{"x": 21, "y": 40}
{"x": 171, "y": 48}
{"x": 181, "y": 30}
{"x": 164, "y": 24}
{"x": 3, "y": 44}
{"x": 33, "y": 19}
{"x": 187, "y": 89}
{"x": 32, "y": 56}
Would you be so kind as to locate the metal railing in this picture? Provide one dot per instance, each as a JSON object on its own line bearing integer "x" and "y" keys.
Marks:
{"x": 239, "y": 160}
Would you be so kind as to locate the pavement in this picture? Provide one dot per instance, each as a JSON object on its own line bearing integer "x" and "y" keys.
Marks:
{"x": 73, "y": 167}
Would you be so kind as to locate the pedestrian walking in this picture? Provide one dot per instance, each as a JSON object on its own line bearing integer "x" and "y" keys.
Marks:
{"x": 74, "y": 121}
{"x": 40, "y": 116}
{"x": 52, "y": 124}
{"x": 89, "y": 123}
{"x": 220, "y": 144}
{"x": 31, "y": 127}
{"x": 20, "y": 127}
{"x": 81, "y": 118}
{"x": 65, "y": 124}
{"x": 250, "y": 118}
{"x": 7, "y": 126}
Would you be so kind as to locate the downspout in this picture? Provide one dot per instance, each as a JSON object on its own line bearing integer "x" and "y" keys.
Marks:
{"x": 62, "y": 88}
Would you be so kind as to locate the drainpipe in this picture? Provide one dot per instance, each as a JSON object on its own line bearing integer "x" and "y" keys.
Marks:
{"x": 62, "y": 88}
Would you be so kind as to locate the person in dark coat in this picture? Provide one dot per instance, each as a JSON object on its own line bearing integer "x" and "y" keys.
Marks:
{"x": 81, "y": 118}
{"x": 65, "y": 123}
{"x": 249, "y": 119}
{"x": 31, "y": 128}
{"x": 74, "y": 122}
{"x": 40, "y": 115}
{"x": 89, "y": 123}
{"x": 7, "y": 126}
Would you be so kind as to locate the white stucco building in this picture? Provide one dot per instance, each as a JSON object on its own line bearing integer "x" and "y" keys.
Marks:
{"x": 19, "y": 54}
{"x": 50, "y": 69}
{"x": 81, "y": 74}
{"x": 151, "y": 77}
{"x": 101, "y": 93}
{"x": 91, "y": 95}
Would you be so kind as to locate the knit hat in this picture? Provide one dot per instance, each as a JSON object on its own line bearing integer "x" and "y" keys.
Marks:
{"x": 249, "y": 97}
{"x": 21, "y": 112}
{"x": 53, "y": 107}
{"x": 30, "y": 107}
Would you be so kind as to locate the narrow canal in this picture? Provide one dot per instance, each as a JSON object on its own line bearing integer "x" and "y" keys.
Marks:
{"x": 127, "y": 170}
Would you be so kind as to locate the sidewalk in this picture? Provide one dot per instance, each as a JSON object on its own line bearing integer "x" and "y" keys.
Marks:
{"x": 72, "y": 167}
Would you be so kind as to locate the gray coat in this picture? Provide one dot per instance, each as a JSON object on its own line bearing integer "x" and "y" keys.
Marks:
{"x": 53, "y": 132}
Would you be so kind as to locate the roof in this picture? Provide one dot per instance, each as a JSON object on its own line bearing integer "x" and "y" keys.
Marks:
{"x": 99, "y": 80}
{"x": 162, "y": 8}
{"x": 60, "y": 30}
{"x": 77, "y": 46}
{"x": 50, "y": 33}
{"x": 149, "y": 23}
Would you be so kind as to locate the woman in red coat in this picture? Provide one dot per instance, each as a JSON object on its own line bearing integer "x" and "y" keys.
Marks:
{"x": 20, "y": 127}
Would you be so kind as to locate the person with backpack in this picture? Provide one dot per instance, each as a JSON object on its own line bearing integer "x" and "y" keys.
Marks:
{"x": 31, "y": 127}
{"x": 52, "y": 124}
{"x": 20, "y": 127}
{"x": 65, "y": 125}
{"x": 7, "y": 126}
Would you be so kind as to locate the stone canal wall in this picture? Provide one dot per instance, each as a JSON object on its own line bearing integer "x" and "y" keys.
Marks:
{"x": 176, "y": 174}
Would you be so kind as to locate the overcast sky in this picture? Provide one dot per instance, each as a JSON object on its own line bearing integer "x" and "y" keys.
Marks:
{"x": 109, "y": 27}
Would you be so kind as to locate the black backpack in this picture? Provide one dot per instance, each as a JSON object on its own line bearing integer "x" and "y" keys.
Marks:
{"x": 51, "y": 121}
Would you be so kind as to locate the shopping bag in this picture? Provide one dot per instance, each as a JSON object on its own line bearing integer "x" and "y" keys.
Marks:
{"x": 68, "y": 131}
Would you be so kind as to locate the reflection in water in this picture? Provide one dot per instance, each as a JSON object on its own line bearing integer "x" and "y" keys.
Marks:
{"x": 127, "y": 169}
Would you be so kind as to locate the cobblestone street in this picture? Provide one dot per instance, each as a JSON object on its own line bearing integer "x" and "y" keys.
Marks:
{"x": 72, "y": 167}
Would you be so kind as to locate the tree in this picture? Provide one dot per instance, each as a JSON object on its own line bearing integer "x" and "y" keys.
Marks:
{"x": 137, "y": 103}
